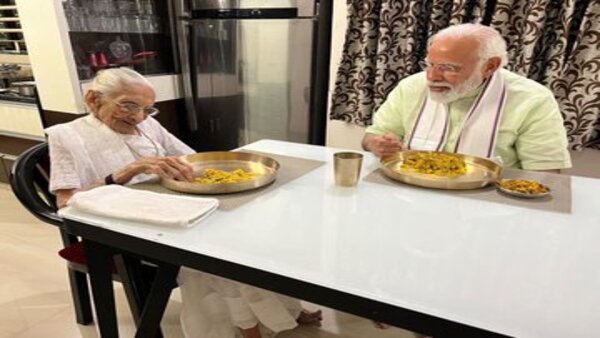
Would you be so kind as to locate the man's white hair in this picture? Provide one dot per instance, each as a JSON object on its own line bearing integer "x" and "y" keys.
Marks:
{"x": 491, "y": 43}
{"x": 112, "y": 80}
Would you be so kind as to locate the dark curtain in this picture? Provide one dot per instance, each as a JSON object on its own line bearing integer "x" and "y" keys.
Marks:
{"x": 555, "y": 42}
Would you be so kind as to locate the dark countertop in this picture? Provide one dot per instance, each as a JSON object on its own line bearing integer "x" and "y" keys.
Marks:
{"x": 12, "y": 97}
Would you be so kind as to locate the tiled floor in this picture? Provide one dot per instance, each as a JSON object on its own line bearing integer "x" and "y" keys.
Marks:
{"x": 35, "y": 300}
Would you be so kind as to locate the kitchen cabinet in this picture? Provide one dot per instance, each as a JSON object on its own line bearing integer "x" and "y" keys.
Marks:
{"x": 14, "y": 61}
{"x": 69, "y": 40}
{"x": 113, "y": 33}
{"x": 5, "y": 165}
{"x": 20, "y": 119}
{"x": 11, "y": 34}
{"x": 11, "y": 146}
{"x": 20, "y": 129}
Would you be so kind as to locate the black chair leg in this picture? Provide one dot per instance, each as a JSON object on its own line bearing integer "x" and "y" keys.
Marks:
{"x": 99, "y": 258}
{"x": 81, "y": 297}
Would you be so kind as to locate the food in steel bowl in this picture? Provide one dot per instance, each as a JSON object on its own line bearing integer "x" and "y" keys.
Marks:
{"x": 439, "y": 164}
{"x": 524, "y": 186}
{"x": 215, "y": 176}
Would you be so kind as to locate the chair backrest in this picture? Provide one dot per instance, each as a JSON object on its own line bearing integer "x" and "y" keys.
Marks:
{"x": 29, "y": 180}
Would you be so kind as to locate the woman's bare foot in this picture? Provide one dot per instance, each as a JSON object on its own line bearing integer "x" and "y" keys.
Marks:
{"x": 310, "y": 318}
{"x": 252, "y": 332}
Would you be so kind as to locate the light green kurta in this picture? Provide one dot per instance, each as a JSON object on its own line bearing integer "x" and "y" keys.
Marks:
{"x": 531, "y": 135}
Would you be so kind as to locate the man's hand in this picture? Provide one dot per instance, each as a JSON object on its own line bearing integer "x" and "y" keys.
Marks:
{"x": 166, "y": 167}
{"x": 381, "y": 146}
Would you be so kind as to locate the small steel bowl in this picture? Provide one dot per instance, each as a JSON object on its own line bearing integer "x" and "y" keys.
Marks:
{"x": 520, "y": 194}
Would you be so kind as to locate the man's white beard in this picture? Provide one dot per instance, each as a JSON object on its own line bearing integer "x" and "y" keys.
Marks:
{"x": 457, "y": 92}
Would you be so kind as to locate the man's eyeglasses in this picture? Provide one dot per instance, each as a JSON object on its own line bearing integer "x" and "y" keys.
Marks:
{"x": 130, "y": 108}
{"x": 441, "y": 67}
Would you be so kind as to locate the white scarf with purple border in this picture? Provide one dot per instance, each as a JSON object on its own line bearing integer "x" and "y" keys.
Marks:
{"x": 478, "y": 131}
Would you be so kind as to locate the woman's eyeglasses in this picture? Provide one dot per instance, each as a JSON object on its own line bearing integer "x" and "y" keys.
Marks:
{"x": 441, "y": 67}
{"x": 130, "y": 108}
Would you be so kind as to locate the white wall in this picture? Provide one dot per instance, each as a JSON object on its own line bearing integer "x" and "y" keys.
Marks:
{"x": 49, "y": 49}
{"x": 340, "y": 134}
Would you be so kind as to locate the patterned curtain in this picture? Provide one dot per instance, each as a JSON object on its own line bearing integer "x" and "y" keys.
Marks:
{"x": 578, "y": 86}
{"x": 555, "y": 42}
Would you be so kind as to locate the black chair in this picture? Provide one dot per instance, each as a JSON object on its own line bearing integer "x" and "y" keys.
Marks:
{"x": 29, "y": 180}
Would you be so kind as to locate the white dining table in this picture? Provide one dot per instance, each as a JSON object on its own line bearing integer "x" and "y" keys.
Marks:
{"x": 432, "y": 262}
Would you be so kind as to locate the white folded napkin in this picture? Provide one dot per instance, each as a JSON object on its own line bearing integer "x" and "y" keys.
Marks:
{"x": 143, "y": 206}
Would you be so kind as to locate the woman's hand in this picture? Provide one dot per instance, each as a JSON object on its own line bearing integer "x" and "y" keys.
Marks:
{"x": 166, "y": 167}
{"x": 63, "y": 196}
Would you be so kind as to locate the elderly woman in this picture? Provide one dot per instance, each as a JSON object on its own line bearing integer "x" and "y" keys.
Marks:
{"x": 120, "y": 143}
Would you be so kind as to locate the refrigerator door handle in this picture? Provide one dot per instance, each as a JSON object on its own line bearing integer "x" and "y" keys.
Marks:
{"x": 183, "y": 38}
{"x": 304, "y": 8}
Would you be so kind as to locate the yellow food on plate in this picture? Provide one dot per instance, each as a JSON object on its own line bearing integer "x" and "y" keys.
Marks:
{"x": 438, "y": 164}
{"x": 524, "y": 186}
{"x": 215, "y": 176}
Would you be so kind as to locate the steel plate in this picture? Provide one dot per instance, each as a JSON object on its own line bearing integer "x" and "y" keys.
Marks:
{"x": 480, "y": 172}
{"x": 521, "y": 194}
{"x": 264, "y": 166}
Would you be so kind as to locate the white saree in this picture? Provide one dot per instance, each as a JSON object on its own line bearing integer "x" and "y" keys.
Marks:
{"x": 215, "y": 307}
{"x": 86, "y": 150}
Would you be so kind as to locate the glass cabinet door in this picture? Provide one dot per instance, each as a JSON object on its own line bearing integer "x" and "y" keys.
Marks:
{"x": 120, "y": 33}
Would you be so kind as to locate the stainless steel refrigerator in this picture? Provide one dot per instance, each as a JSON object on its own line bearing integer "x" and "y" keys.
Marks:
{"x": 252, "y": 70}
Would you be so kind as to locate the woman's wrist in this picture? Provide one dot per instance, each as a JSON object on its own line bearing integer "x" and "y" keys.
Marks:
{"x": 125, "y": 174}
{"x": 118, "y": 177}
{"x": 110, "y": 179}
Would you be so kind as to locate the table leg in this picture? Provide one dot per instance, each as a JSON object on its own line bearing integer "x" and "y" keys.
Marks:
{"x": 137, "y": 278}
{"x": 156, "y": 300}
{"x": 99, "y": 260}
{"x": 133, "y": 282}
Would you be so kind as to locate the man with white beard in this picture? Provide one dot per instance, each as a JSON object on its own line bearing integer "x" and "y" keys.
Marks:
{"x": 465, "y": 102}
